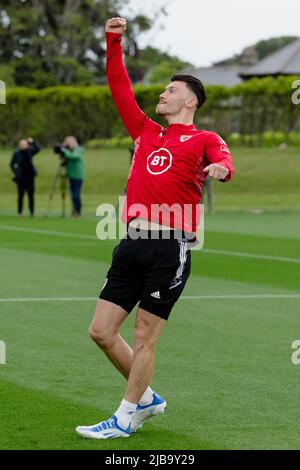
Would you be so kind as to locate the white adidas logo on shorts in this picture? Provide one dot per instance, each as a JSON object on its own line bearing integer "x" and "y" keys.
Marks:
{"x": 156, "y": 294}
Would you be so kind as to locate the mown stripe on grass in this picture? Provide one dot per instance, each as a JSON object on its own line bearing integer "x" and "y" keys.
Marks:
{"x": 205, "y": 250}
{"x": 44, "y": 420}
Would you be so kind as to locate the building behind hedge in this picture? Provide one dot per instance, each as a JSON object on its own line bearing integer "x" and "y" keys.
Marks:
{"x": 284, "y": 62}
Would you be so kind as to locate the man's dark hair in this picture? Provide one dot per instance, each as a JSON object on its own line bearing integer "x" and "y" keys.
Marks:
{"x": 194, "y": 84}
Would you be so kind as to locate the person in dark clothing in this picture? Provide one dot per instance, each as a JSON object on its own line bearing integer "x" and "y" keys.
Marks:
{"x": 25, "y": 172}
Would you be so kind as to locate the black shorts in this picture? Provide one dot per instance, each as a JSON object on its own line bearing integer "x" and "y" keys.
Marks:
{"x": 152, "y": 271}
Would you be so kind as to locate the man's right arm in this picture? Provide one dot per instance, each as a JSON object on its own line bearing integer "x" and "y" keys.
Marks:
{"x": 118, "y": 80}
{"x": 13, "y": 163}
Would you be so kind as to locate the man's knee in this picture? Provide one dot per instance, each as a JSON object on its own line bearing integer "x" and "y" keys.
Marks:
{"x": 103, "y": 337}
{"x": 106, "y": 323}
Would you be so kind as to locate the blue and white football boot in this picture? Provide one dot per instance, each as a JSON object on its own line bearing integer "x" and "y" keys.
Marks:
{"x": 143, "y": 413}
{"x": 104, "y": 430}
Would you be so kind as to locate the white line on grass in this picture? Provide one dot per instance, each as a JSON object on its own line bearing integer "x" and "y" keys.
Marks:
{"x": 251, "y": 255}
{"x": 38, "y": 243}
{"x": 48, "y": 232}
{"x": 184, "y": 297}
{"x": 205, "y": 250}
{"x": 48, "y": 299}
{"x": 241, "y": 296}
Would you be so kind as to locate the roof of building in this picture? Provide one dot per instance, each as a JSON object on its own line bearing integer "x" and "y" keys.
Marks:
{"x": 286, "y": 61}
{"x": 216, "y": 75}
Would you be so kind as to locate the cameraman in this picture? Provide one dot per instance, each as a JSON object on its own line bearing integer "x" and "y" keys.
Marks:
{"x": 73, "y": 154}
{"x": 25, "y": 172}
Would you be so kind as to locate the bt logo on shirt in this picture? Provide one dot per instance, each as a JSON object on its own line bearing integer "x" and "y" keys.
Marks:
{"x": 159, "y": 161}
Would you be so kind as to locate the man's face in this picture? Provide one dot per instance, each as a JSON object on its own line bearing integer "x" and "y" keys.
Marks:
{"x": 174, "y": 98}
{"x": 23, "y": 144}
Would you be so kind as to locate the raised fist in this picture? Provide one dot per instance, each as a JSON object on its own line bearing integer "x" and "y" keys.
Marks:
{"x": 116, "y": 25}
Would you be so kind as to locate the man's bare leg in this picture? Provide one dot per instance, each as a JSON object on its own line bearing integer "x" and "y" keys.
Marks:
{"x": 147, "y": 330}
{"x": 104, "y": 330}
{"x": 137, "y": 366}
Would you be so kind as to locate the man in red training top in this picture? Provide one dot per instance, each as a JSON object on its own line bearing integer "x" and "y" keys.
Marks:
{"x": 169, "y": 168}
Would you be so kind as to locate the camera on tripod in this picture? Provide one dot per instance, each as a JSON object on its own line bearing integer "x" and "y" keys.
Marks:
{"x": 59, "y": 178}
{"x": 59, "y": 150}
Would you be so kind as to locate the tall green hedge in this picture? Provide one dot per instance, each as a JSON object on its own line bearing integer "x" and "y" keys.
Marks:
{"x": 250, "y": 109}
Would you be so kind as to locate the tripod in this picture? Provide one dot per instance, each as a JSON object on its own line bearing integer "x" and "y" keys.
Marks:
{"x": 59, "y": 177}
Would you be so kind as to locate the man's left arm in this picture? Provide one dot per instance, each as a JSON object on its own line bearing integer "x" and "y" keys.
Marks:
{"x": 219, "y": 157}
{"x": 34, "y": 146}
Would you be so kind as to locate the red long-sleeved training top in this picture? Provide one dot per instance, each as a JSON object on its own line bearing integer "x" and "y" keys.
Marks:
{"x": 166, "y": 176}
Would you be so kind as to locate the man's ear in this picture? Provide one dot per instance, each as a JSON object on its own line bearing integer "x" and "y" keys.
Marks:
{"x": 191, "y": 102}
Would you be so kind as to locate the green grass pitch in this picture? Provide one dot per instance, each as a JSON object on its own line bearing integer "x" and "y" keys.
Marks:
{"x": 223, "y": 364}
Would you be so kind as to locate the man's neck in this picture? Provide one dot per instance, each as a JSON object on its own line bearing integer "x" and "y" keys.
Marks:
{"x": 185, "y": 120}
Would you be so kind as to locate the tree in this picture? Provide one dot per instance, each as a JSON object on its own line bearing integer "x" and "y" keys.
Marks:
{"x": 61, "y": 42}
{"x": 154, "y": 66}
{"x": 268, "y": 46}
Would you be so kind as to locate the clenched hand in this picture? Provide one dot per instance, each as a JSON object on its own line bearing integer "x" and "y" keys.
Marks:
{"x": 216, "y": 171}
{"x": 116, "y": 25}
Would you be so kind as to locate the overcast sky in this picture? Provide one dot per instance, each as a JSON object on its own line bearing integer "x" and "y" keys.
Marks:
{"x": 205, "y": 31}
